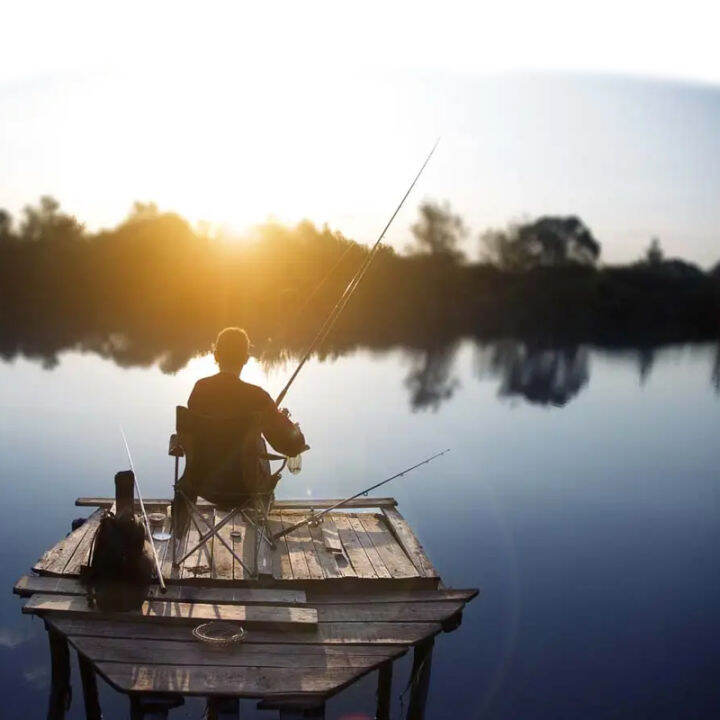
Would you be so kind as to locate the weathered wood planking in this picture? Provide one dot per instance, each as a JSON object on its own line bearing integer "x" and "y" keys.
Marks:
{"x": 153, "y": 504}
{"x": 31, "y": 584}
{"x": 327, "y": 559}
{"x": 264, "y": 555}
{"x": 389, "y": 612}
{"x": 296, "y": 552}
{"x": 330, "y": 536}
{"x": 222, "y": 557}
{"x": 330, "y": 633}
{"x": 367, "y": 545}
{"x": 219, "y": 680}
{"x": 173, "y": 652}
{"x": 302, "y": 534}
{"x": 249, "y": 544}
{"x": 373, "y": 547}
{"x": 291, "y": 618}
{"x": 318, "y": 596}
{"x": 199, "y": 564}
{"x": 281, "y": 567}
{"x": 409, "y": 542}
{"x": 353, "y": 549}
{"x": 394, "y": 557}
{"x": 55, "y": 560}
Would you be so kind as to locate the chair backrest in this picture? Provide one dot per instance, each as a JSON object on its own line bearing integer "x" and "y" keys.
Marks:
{"x": 223, "y": 456}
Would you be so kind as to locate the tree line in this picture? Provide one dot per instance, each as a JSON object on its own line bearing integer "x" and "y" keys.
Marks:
{"x": 155, "y": 288}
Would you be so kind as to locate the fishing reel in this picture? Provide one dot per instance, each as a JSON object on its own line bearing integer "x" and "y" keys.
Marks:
{"x": 315, "y": 520}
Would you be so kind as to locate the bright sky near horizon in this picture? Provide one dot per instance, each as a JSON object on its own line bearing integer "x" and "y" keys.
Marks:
{"x": 232, "y": 113}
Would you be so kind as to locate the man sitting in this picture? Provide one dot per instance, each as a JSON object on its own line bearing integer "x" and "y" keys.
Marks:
{"x": 225, "y": 396}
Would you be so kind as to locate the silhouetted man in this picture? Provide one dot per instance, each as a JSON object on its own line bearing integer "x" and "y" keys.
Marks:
{"x": 225, "y": 395}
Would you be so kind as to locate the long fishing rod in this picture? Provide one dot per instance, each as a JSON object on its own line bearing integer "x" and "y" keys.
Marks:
{"x": 329, "y": 322}
{"x": 158, "y": 569}
{"x": 316, "y": 518}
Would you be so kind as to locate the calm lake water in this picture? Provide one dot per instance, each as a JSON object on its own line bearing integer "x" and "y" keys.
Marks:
{"x": 581, "y": 495}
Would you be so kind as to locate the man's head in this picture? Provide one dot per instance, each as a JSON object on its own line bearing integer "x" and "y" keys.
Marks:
{"x": 231, "y": 349}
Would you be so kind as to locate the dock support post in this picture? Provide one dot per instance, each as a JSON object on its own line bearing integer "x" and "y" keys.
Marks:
{"x": 90, "y": 689}
{"x": 148, "y": 706}
{"x": 60, "y": 690}
{"x": 384, "y": 691}
{"x": 221, "y": 708}
{"x": 316, "y": 713}
{"x": 420, "y": 679}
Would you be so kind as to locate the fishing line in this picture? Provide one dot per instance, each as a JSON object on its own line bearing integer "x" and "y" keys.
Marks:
{"x": 314, "y": 518}
{"x": 329, "y": 322}
{"x": 158, "y": 569}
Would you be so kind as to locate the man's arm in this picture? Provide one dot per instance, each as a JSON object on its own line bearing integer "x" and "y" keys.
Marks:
{"x": 283, "y": 434}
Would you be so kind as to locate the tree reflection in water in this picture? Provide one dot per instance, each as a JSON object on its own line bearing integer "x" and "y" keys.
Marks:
{"x": 430, "y": 379}
{"x": 541, "y": 375}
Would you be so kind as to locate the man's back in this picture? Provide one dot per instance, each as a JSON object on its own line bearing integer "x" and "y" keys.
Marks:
{"x": 226, "y": 396}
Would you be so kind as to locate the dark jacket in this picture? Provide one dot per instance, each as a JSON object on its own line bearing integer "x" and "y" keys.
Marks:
{"x": 226, "y": 396}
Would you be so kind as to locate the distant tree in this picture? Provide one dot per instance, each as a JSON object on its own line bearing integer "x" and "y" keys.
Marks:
{"x": 438, "y": 232}
{"x": 654, "y": 254}
{"x": 143, "y": 211}
{"x": 5, "y": 226}
{"x": 547, "y": 241}
{"x": 46, "y": 223}
{"x": 715, "y": 272}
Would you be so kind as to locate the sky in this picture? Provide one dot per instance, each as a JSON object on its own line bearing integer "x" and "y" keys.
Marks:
{"x": 233, "y": 114}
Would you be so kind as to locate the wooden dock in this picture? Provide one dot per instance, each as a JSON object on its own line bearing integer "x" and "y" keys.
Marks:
{"x": 331, "y": 604}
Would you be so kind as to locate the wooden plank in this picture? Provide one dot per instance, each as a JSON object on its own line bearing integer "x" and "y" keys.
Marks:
{"x": 327, "y": 560}
{"x": 394, "y": 557}
{"x": 281, "y": 567}
{"x": 303, "y": 536}
{"x": 31, "y": 584}
{"x": 368, "y": 633}
{"x": 409, "y": 543}
{"x": 249, "y": 542}
{"x": 330, "y": 536}
{"x": 296, "y": 552}
{"x": 81, "y": 556}
{"x": 389, "y": 612}
{"x": 353, "y": 549}
{"x": 327, "y": 597}
{"x": 217, "y": 680}
{"x": 153, "y": 504}
{"x": 370, "y": 550}
{"x": 274, "y": 617}
{"x": 222, "y": 557}
{"x": 341, "y": 560}
{"x": 54, "y": 560}
{"x": 199, "y": 564}
{"x": 259, "y": 655}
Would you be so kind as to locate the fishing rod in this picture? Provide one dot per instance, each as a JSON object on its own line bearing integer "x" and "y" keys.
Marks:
{"x": 332, "y": 317}
{"x": 317, "y": 518}
{"x": 158, "y": 569}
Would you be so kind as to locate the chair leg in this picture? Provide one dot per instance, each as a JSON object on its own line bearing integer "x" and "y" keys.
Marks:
{"x": 212, "y": 532}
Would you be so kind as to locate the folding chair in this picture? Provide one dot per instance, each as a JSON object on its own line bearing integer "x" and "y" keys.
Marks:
{"x": 227, "y": 463}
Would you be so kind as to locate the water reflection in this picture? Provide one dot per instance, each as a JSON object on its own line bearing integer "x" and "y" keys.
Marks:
{"x": 539, "y": 375}
{"x": 537, "y": 372}
{"x": 431, "y": 381}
